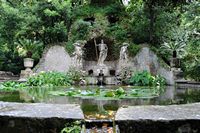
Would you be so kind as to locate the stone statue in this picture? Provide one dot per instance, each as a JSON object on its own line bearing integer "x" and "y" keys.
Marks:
{"x": 126, "y": 2}
{"x": 103, "y": 48}
{"x": 123, "y": 58}
{"x": 78, "y": 53}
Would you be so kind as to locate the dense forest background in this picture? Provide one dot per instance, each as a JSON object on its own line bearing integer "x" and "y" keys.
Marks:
{"x": 165, "y": 25}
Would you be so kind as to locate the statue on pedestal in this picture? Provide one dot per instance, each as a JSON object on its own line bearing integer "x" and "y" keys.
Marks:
{"x": 78, "y": 54}
{"x": 123, "y": 58}
{"x": 103, "y": 48}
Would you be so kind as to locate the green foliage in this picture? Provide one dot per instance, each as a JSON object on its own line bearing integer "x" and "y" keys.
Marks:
{"x": 190, "y": 21}
{"x": 165, "y": 21}
{"x": 79, "y": 30}
{"x": 146, "y": 92}
{"x": 193, "y": 72}
{"x": 146, "y": 79}
{"x": 159, "y": 81}
{"x": 119, "y": 93}
{"x": 45, "y": 21}
{"x": 115, "y": 93}
{"x": 176, "y": 41}
{"x": 75, "y": 75}
{"x": 134, "y": 49}
{"x": 174, "y": 23}
{"x": 141, "y": 79}
{"x": 138, "y": 27}
{"x": 50, "y": 79}
{"x": 11, "y": 62}
{"x": 70, "y": 47}
{"x": 118, "y": 33}
{"x": 75, "y": 127}
{"x": 11, "y": 86}
{"x": 29, "y": 48}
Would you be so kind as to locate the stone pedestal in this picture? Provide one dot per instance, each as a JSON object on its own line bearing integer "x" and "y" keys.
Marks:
{"x": 25, "y": 74}
{"x": 178, "y": 73}
{"x": 28, "y": 64}
{"x": 175, "y": 63}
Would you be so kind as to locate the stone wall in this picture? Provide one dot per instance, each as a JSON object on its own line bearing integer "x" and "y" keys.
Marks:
{"x": 5, "y": 76}
{"x": 55, "y": 58}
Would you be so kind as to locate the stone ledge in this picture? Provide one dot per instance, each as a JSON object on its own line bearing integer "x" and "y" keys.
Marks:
{"x": 37, "y": 117}
{"x": 159, "y": 119}
{"x": 172, "y": 112}
{"x": 41, "y": 110}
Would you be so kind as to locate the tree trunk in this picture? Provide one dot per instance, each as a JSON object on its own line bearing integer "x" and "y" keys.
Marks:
{"x": 151, "y": 24}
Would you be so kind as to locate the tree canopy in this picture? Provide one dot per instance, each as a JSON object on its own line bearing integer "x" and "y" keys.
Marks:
{"x": 154, "y": 22}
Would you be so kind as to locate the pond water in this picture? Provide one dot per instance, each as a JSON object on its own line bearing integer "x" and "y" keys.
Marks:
{"x": 104, "y": 108}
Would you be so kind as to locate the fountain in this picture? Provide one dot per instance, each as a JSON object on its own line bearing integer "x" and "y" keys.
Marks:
{"x": 100, "y": 70}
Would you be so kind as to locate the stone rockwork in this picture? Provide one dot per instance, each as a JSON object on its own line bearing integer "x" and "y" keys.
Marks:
{"x": 55, "y": 58}
{"x": 37, "y": 117}
{"x": 148, "y": 60}
{"x": 4, "y": 76}
{"x": 159, "y": 119}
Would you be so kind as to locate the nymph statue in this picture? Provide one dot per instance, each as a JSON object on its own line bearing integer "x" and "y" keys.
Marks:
{"x": 123, "y": 58}
{"x": 103, "y": 48}
{"x": 78, "y": 53}
{"x": 126, "y": 2}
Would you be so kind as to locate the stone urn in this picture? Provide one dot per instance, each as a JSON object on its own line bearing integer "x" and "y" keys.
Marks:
{"x": 175, "y": 63}
{"x": 28, "y": 63}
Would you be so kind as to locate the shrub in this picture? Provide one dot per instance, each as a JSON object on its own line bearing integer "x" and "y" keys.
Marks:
{"x": 146, "y": 79}
{"x": 80, "y": 30}
{"x": 11, "y": 86}
{"x": 70, "y": 47}
{"x": 50, "y": 78}
{"x": 194, "y": 72}
{"x": 75, "y": 127}
{"x": 75, "y": 75}
{"x": 133, "y": 49}
{"x": 29, "y": 48}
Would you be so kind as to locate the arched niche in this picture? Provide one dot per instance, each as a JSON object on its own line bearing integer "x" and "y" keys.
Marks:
{"x": 92, "y": 52}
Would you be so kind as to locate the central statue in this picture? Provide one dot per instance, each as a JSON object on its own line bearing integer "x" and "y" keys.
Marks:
{"x": 103, "y": 50}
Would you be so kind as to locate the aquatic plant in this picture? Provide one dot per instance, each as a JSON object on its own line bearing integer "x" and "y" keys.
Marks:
{"x": 119, "y": 93}
{"x": 145, "y": 78}
{"x": 11, "y": 86}
{"x": 75, "y": 127}
{"x": 50, "y": 79}
{"x": 75, "y": 75}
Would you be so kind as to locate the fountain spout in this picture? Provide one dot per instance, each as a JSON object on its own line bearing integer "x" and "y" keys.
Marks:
{"x": 100, "y": 78}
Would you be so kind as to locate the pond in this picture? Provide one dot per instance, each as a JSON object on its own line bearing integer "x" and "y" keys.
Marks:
{"x": 102, "y": 103}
